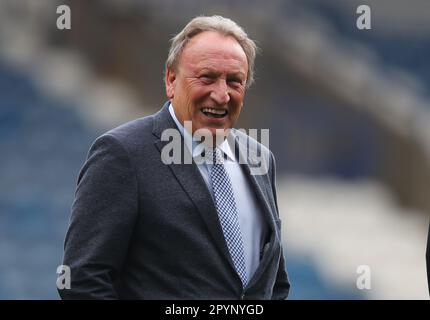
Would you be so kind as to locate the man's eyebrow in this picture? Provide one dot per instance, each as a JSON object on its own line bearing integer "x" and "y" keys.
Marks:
{"x": 236, "y": 74}
{"x": 215, "y": 72}
{"x": 208, "y": 70}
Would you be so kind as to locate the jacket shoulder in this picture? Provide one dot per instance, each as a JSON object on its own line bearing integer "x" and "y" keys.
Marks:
{"x": 132, "y": 131}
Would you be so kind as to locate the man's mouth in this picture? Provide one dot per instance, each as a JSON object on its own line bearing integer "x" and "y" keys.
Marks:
{"x": 215, "y": 113}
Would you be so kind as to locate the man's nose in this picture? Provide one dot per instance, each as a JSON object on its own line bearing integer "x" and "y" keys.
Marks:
{"x": 220, "y": 92}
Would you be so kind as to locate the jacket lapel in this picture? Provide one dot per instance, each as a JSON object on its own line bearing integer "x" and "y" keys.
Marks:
{"x": 259, "y": 184}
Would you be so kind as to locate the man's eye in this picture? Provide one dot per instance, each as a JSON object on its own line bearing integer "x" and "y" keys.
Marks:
{"x": 235, "y": 81}
{"x": 206, "y": 79}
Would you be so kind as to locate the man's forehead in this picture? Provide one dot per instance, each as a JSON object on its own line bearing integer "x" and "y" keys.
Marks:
{"x": 213, "y": 43}
{"x": 210, "y": 50}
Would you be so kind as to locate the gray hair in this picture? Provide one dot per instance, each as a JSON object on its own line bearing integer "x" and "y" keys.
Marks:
{"x": 221, "y": 25}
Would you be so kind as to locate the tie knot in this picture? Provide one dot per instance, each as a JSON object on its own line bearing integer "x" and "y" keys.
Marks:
{"x": 216, "y": 155}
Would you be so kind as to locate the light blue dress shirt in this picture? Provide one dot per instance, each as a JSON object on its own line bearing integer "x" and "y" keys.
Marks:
{"x": 252, "y": 224}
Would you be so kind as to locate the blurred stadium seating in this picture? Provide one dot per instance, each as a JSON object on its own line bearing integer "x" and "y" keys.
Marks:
{"x": 43, "y": 145}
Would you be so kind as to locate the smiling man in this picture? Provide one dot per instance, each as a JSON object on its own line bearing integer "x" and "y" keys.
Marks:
{"x": 144, "y": 229}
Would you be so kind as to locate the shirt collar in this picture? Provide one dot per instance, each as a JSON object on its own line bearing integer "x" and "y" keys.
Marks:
{"x": 194, "y": 145}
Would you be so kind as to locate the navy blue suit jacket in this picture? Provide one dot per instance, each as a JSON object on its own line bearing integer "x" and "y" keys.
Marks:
{"x": 141, "y": 229}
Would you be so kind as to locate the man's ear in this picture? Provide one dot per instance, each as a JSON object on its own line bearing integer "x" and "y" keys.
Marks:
{"x": 170, "y": 83}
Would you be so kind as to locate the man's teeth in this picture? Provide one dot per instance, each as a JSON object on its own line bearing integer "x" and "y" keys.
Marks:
{"x": 215, "y": 111}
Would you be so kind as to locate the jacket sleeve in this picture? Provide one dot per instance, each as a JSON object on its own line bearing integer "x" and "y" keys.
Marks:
{"x": 102, "y": 220}
{"x": 282, "y": 284}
